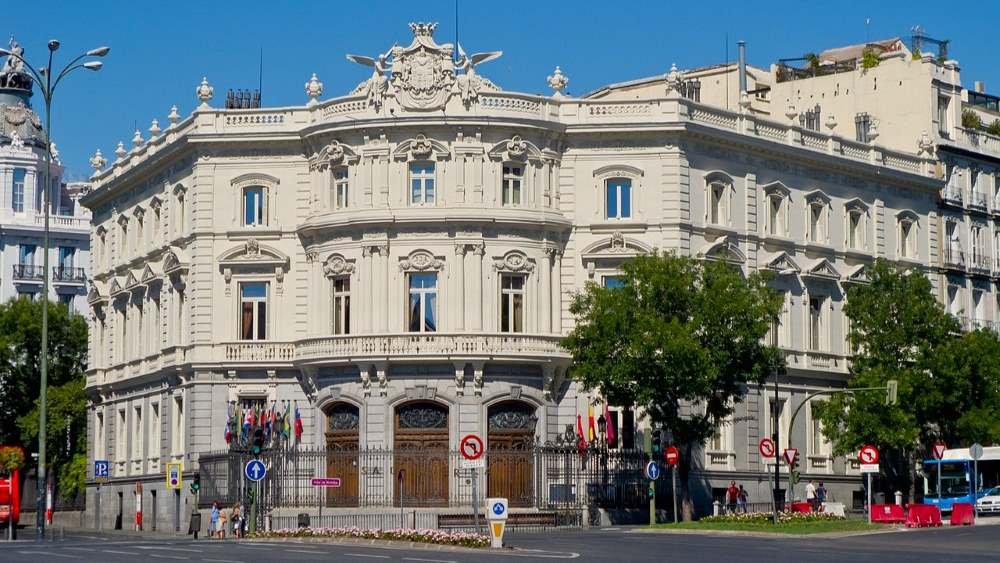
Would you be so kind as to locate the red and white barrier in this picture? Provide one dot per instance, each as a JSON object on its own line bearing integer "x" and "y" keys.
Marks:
{"x": 922, "y": 516}
{"x": 888, "y": 514}
{"x": 963, "y": 514}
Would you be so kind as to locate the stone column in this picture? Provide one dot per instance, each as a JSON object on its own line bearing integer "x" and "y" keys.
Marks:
{"x": 383, "y": 288}
{"x": 367, "y": 288}
{"x": 476, "y": 289}
{"x": 458, "y": 287}
{"x": 545, "y": 291}
{"x": 557, "y": 291}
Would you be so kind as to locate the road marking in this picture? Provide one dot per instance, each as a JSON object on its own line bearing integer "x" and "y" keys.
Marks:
{"x": 307, "y": 551}
{"x": 82, "y": 548}
{"x": 429, "y": 560}
{"x": 372, "y": 556}
{"x": 159, "y": 556}
{"x": 223, "y": 560}
{"x": 52, "y": 554}
{"x": 120, "y": 552}
{"x": 543, "y": 554}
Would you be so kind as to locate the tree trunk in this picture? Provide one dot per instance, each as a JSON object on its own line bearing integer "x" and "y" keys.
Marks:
{"x": 687, "y": 507}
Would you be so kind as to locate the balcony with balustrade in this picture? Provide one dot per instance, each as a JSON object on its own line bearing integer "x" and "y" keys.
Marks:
{"x": 28, "y": 273}
{"x": 976, "y": 199}
{"x": 953, "y": 259}
{"x": 68, "y": 275}
{"x": 980, "y": 264}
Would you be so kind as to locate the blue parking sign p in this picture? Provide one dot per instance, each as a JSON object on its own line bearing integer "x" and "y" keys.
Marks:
{"x": 101, "y": 468}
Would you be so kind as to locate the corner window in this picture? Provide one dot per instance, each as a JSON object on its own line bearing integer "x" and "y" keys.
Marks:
{"x": 422, "y": 302}
{"x": 511, "y": 303}
{"x": 253, "y": 311}
{"x": 618, "y": 198}
{"x": 254, "y": 206}
{"x": 422, "y": 183}
{"x": 513, "y": 175}
{"x": 17, "y": 196}
{"x": 340, "y": 188}
{"x": 342, "y": 305}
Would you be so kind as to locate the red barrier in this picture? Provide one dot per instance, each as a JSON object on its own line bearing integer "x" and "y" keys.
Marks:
{"x": 962, "y": 514}
{"x": 922, "y": 516}
{"x": 888, "y": 514}
{"x": 801, "y": 507}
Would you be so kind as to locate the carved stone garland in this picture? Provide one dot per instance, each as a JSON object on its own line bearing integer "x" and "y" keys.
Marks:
{"x": 513, "y": 262}
{"x": 421, "y": 261}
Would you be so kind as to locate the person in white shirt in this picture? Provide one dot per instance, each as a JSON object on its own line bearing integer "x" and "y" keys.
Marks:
{"x": 811, "y": 495}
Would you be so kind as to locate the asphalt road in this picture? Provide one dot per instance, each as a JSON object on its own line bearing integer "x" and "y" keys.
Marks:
{"x": 980, "y": 543}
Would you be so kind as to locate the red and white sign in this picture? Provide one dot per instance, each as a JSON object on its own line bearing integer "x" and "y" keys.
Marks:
{"x": 868, "y": 455}
{"x": 766, "y": 447}
{"x": 471, "y": 446}
{"x": 790, "y": 455}
{"x": 938, "y": 450}
{"x": 671, "y": 455}
{"x": 326, "y": 482}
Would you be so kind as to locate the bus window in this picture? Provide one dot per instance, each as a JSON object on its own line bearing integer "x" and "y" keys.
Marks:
{"x": 954, "y": 479}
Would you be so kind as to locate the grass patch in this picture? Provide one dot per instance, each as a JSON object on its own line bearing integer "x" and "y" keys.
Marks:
{"x": 795, "y": 528}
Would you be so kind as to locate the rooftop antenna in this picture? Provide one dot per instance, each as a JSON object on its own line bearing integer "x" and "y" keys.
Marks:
{"x": 454, "y": 52}
{"x": 260, "y": 70}
{"x": 726, "y": 61}
{"x": 868, "y": 35}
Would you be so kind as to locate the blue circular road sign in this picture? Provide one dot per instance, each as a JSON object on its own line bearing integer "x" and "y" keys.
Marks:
{"x": 498, "y": 508}
{"x": 652, "y": 471}
{"x": 255, "y": 470}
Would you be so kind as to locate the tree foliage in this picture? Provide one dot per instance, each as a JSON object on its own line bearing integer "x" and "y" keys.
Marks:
{"x": 681, "y": 340}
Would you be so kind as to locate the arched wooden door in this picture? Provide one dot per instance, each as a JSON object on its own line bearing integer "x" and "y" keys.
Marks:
{"x": 510, "y": 457}
{"x": 342, "y": 424}
{"x": 421, "y": 452}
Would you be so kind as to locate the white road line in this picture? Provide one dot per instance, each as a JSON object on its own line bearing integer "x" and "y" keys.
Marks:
{"x": 223, "y": 560}
{"x": 56, "y": 555}
{"x": 364, "y": 555}
{"x": 159, "y": 556}
{"x": 81, "y": 548}
{"x": 120, "y": 552}
{"x": 307, "y": 551}
{"x": 429, "y": 560}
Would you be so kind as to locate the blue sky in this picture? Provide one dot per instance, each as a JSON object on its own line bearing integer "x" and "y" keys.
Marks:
{"x": 160, "y": 50}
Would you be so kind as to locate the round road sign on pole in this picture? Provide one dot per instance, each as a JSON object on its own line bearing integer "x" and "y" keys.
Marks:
{"x": 652, "y": 471}
{"x": 976, "y": 452}
{"x": 868, "y": 455}
{"x": 471, "y": 447}
{"x": 766, "y": 447}
{"x": 671, "y": 455}
{"x": 255, "y": 470}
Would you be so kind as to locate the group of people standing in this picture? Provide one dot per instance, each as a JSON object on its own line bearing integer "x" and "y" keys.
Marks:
{"x": 217, "y": 521}
{"x": 736, "y": 497}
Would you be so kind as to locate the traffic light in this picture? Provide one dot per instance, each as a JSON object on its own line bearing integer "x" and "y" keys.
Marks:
{"x": 657, "y": 442}
{"x": 258, "y": 441}
{"x": 794, "y": 470}
{"x": 196, "y": 484}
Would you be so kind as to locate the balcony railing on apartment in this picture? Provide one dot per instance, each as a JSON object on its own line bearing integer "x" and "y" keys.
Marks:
{"x": 980, "y": 263}
{"x": 952, "y": 196}
{"x": 68, "y": 274}
{"x": 28, "y": 272}
{"x": 954, "y": 257}
{"x": 786, "y": 72}
{"x": 976, "y": 199}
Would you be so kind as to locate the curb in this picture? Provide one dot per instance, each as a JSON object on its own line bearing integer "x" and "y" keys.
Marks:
{"x": 386, "y": 544}
{"x": 778, "y": 535}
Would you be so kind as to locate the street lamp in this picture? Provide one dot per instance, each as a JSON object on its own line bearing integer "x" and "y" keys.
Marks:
{"x": 48, "y": 87}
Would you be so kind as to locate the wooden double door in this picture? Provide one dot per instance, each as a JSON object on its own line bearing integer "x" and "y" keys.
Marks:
{"x": 342, "y": 439}
{"x": 420, "y": 454}
{"x": 510, "y": 454}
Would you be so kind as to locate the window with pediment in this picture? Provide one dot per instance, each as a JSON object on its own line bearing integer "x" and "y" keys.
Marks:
{"x": 513, "y": 180}
{"x": 422, "y": 187}
{"x": 253, "y": 310}
{"x": 776, "y": 204}
{"x": 907, "y": 229}
{"x": 618, "y": 198}
{"x": 818, "y": 214}
{"x": 254, "y": 206}
{"x": 856, "y": 227}
{"x": 718, "y": 203}
{"x": 341, "y": 186}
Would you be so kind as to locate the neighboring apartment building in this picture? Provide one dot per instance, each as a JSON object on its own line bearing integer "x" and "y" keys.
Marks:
{"x": 22, "y": 172}
{"x": 399, "y": 261}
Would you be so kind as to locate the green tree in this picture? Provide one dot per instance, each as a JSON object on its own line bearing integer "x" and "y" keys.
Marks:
{"x": 965, "y": 401}
{"x": 20, "y": 374}
{"x": 66, "y": 432}
{"x": 681, "y": 340}
{"x": 897, "y": 328}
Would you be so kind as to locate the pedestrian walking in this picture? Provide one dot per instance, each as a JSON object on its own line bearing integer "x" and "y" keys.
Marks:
{"x": 732, "y": 497}
{"x": 237, "y": 519}
{"x": 213, "y": 520}
{"x": 811, "y": 495}
{"x": 820, "y": 495}
{"x": 741, "y": 499}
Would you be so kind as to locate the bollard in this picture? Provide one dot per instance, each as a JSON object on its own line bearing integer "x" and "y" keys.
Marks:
{"x": 899, "y": 498}
{"x": 716, "y": 508}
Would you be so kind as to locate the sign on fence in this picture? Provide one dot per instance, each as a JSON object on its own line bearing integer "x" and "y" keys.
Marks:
{"x": 326, "y": 482}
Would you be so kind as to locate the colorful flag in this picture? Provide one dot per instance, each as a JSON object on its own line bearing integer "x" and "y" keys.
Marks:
{"x": 229, "y": 418}
{"x": 298, "y": 424}
{"x": 286, "y": 422}
{"x": 247, "y": 424}
{"x": 612, "y": 431}
{"x": 582, "y": 438}
{"x": 265, "y": 424}
{"x": 591, "y": 435}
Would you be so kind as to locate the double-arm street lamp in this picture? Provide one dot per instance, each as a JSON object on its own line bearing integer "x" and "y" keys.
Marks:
{"x": 47, "y": 80}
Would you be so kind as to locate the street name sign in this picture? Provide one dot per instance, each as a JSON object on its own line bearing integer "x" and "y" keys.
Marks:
{"x": 478, "y": 463}
{"x": 869, "y": 468}
{"x": 326, "y": 482}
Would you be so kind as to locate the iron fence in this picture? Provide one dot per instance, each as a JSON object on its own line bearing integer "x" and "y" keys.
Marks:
{"x": 558, "y": 481}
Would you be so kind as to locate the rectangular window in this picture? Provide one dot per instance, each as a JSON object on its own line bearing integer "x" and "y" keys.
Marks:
{"x": 67, "y": 300}
{"x": 855, "y": 232}
{"x": 154, "y": 430}
{"x": 778, "y": 408}
{"x": 816, "y": 223}
{"x": 775, "y": 215}
{"x": 421, "y": 183}
{"x": 99, "y": 437}
{"x": 718, "y": 208}
{"x": 513, "y": 174}
{"x": 342, "y": 305}
{"x": 612, "y": 281}
{"x": 17, "y": 196}
{"x": 27, "y": 255}
{"x": 618, "y": 198}
{"x": 816, "y": 340}
{"x": 253, "y": 206}
{"x": 907, "y": 245}
{"x": 422, "y": 302}
{"x": 862, "y": 124}
{"x": 177, "y": 433}
{"x": 511, "y": 303}
{"x": 818, "y": 442}
{"x": 137, "y": 432}
{"x": 121, "y": 438}
{"x": 340, "y": 187}
{"x": 66, "y": 256}
{"x": 942, "y": 115}
{"x": 253, "y": 310}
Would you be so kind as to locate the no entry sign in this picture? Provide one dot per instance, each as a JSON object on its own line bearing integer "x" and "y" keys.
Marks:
{"x": 471, "y": 446}
{"x": 671, "y": 455}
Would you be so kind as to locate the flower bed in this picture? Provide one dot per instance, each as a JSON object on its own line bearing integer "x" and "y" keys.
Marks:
{"x": 440, "y": 537}
{"x": 783, "y": 517}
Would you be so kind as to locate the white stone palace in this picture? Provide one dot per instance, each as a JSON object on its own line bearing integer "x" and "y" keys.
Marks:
{"x": 398, "y": 262}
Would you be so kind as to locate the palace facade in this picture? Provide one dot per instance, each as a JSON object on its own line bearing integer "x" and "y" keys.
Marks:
{"x": 398, "y": 262}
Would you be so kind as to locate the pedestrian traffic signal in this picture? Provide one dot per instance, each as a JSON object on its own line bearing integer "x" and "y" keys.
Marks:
{"x": 258, "y": 441}
{"x": 657, "y": 441}
{"x": 196, "y": 484}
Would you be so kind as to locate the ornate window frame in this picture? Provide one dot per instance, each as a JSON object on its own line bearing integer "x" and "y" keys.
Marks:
{"x": 179, "y": 218}
{"x": 603, "y": 175}
{"x": 907, "y": 230}
{"x": 719, "y": 180}
{"x": 269, "y": 186}
{"x": 851, "y": 207}
{"x": 817, "y": 200}
{"x": 519, "y": 152}
{"x": 781, "y": 192}
{"x": 421, "y": 261}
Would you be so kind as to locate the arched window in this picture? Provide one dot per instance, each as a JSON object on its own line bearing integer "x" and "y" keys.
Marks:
{"x": 618, "y": 198}
{"x": 907, "y": 235}
{"x": 254, "y": 206}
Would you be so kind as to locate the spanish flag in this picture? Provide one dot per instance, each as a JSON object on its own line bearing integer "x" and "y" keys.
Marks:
{"x": 590, "y": 423}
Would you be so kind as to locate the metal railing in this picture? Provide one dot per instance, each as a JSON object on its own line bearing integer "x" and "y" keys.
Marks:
{"x": 953, "y": 257}
{"x": 28, "y": 272}
{"x": 976, "y": 199}
{"x": 68, "y": 274}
